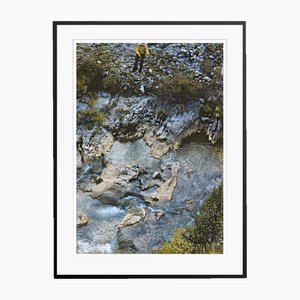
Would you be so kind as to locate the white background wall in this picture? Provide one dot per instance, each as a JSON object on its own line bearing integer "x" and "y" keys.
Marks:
{"x": 26, "y": 239}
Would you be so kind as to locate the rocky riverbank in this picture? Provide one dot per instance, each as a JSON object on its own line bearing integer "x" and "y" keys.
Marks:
{"x": 151, "y": 176}
{"x": 144, "y": 163}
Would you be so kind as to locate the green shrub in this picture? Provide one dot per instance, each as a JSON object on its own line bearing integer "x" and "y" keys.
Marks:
{"x": 162, "y": 114}
{"x": 218, "y": 113}
{"x": 205, "y": 236}
{"x": 91, "y": 102}
{"x": 206, "y": 111}
{"x": 92, "y": 65}
{"x": 212, "y": 109}
{"x": 112, "y": 84}
{"x": 207, "y": 232}
{"x": 181, "y": 87}
{"x": 99, "y": 117}
{"x": 90, "y": 118}
{"x": 177, "y": 245}
{"x": 81, "y": 87}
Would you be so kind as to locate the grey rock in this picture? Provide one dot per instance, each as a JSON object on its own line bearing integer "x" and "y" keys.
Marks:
{"x": 160, "y": 130}
{"x": 156, "y": 175}
{"x": 82, "y": 220}
{"x": 133, "y": 216}
{"x": 115, "y": 183}
{"x": 158, "y": 215}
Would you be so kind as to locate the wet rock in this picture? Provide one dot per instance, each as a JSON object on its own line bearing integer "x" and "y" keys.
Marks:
{"x": 126, "y": 246}
{"x": 156, "y": 175}
{"x": 150, "y": 188}
{"x": 158, "y": 215}
{"x": 189, "y": 172}
{"x": 160, "y": 130}
{"x": 165, "y": 189}
{"x": 190, "y": 206}
{"x": 115, "y": 183}
{"x": 134, "y": 215}
{"x": 82, "y": 220}
{"x": 166, "y": 171}
{"x": 150, "y": 232}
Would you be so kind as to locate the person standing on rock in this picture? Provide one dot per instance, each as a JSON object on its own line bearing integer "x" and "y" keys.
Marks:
{"x": 141, "y": 51}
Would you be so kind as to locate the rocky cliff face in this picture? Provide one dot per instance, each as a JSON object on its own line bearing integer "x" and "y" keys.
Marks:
{"x": 163, "y": 125}
{"x": 144, "y": 162}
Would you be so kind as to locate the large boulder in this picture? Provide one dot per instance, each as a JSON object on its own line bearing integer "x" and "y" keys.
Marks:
{"x": 93, "y": 144}
{"x": 166, "y": 187}
{"x": 134, "y": 215}
{"x": 115, "y": 183}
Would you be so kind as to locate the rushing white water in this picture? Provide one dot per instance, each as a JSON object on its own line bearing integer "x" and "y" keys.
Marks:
{"x": 88, "y": 247}
{"x": 108, "y": 212}
{"x": 99, "y": 234}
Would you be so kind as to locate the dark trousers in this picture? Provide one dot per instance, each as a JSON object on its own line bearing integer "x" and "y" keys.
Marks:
{"x": 137, "y": 60}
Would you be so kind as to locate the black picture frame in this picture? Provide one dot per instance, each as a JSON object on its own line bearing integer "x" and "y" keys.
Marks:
{"x": 244, "y": 216}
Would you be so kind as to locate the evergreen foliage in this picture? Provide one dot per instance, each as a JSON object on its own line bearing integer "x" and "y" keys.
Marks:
{"x": 205, "y": 236}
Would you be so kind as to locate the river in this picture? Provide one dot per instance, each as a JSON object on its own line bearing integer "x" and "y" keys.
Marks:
{"x": 201, "y": 170}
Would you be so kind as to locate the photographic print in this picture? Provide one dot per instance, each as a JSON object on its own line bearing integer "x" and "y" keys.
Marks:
{"x": 149, "y": 148}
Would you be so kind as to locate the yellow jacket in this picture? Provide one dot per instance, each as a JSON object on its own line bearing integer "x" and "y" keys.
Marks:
{"x": 141, "y": 49}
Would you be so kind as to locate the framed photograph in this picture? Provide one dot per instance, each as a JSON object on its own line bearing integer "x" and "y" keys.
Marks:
{"x": 149, "y": 149}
